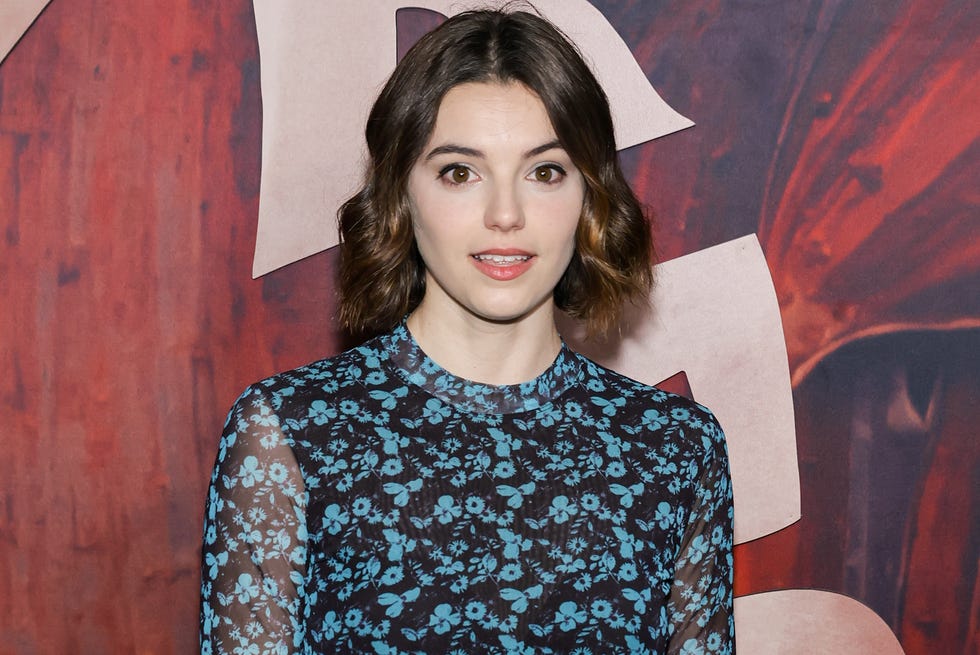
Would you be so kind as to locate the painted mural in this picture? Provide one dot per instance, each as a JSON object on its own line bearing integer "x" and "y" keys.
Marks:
{"x": 842, "y": 133}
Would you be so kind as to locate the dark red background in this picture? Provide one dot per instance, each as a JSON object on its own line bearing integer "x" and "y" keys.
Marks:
{"x": 844, "y": 133}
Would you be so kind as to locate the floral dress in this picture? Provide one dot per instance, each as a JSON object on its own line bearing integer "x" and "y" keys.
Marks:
{"x": 375, "y": 503}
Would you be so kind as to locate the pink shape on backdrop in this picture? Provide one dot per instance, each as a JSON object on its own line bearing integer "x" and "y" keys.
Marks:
{"x": 810, "y": 622}
{"x": 318, "y": 82}
{"x": 15, "y": 17}
{"x": 713, "y": 314}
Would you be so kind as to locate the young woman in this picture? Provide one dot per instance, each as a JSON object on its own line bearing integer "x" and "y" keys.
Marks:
{"x": 464, "y": 482}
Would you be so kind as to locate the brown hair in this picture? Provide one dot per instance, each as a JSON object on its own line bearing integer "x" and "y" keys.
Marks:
{"x": 382, "y": 275}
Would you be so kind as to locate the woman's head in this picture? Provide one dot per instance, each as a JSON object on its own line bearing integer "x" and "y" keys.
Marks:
{"x": 382, "y": 273}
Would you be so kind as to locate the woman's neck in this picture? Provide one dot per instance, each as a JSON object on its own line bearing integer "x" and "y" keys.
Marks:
{"x": 489, "y": 352}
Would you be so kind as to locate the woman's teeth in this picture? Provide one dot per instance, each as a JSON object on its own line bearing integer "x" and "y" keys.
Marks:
{"x": 503, "y": 259}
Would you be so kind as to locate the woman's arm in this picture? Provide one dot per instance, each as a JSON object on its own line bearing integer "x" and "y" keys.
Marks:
{"x": 254, "y": 555}
{"x": 700, "y": 604}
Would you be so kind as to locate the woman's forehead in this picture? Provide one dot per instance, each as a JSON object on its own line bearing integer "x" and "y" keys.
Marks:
{"x": 492, "y": 114}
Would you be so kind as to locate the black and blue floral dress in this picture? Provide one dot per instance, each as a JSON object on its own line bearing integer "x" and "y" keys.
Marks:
{"x": 375, "y": 503}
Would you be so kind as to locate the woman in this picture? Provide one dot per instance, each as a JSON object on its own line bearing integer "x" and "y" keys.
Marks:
{"x": 465, "y": 483}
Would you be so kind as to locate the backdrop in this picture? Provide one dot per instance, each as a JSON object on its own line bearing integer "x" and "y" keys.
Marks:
{"x": 843, "y": 132}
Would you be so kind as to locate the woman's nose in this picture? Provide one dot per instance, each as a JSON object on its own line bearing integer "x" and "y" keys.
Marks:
{"x": 504, "y": 210}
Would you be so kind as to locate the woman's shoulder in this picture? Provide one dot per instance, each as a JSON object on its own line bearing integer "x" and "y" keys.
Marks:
{"x": 656, "y": 408}
{"x": 322, "y": 378}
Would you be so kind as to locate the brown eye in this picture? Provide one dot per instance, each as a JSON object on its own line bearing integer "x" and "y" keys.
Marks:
{"x": 548, "y": 174}
{"x": 460, "y": 174}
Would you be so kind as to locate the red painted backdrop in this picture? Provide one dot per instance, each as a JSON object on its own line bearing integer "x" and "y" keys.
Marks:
{"x": 843, "y": 132}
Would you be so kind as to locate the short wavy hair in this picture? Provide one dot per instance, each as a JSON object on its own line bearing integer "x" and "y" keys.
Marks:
{"x": 382, "y": 275}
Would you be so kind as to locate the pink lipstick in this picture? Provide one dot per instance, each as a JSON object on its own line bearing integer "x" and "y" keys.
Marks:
{"x": 503, "y": 264}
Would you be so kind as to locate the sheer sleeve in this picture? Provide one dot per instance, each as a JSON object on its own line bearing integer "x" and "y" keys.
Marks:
{"x": 700, "y": 602}
{"x": 254, "y": 555}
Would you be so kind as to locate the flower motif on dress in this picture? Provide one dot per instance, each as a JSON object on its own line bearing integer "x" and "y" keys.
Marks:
{"x": 519, "y": 597}
{"x": 376, "y": 503}
{"x": 569, "y": 616}
{"x": 245, "y": 588}
{"x": 562, "y": 509}
{"x": 399, "y": 544}
{"x": 401, "y": 491}
{"x": 444, "y": 618}
{"x": 334, "y": 519}
{"x": 250, "y": 473}
{"x": 515, "y": 495}
{"x": 396, "y": 602}
{"x": 446, "y": 509}
{"x": 321, "y": 413}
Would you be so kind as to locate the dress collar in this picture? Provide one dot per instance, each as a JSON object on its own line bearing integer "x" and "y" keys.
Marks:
{"x": 415, "y": 367}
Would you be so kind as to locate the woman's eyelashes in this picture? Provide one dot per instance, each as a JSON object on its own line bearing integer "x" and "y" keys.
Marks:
{"x": 457, "y": 174}
{"x": 548, "y": 174}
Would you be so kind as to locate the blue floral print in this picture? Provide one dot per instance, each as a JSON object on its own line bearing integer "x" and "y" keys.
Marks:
{"x": 375, "y": 503}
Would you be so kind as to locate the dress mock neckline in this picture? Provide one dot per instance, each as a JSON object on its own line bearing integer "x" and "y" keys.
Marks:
{"x": 415, "y": 367}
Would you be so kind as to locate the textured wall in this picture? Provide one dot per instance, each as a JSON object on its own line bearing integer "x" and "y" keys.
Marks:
{"x": 843, "y": 132}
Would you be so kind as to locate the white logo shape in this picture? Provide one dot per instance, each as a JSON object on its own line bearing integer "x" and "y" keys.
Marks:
{"x": 323, "y": 63}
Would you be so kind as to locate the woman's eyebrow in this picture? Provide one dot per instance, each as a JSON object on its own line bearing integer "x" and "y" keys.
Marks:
{"x": 543, "y": 148}
{"x": 454, "y": 149}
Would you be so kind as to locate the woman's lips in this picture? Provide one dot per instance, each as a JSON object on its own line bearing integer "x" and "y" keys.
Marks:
{"x": 503, "y": 265}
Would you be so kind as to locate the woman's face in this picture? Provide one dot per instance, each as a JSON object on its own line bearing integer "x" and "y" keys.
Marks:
{"x": 495, "y": 203}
